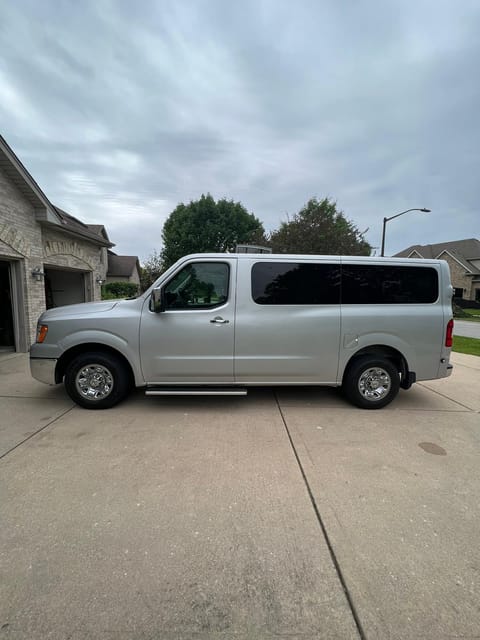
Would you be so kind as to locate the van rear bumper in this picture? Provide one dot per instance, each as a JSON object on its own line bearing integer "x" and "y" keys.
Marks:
{"x": 445, "y": 369}
{"x": 43, "y": 369}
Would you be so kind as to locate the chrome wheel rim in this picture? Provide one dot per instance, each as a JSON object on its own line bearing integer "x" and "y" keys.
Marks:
{"x": 374, "y": 384}
{"x": 94, "y": 382}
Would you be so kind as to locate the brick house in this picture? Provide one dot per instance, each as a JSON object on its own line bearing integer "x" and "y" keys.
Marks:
{"x": 48, "y": 258}
{"x": 463, "y": 257}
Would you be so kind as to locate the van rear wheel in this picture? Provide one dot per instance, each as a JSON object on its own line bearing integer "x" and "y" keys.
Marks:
{"x": 371, "y": 383}
{"x": 96, "y": 380}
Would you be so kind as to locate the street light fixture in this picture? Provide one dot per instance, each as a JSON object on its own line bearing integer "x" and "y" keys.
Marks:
{"x": 385, "y": 220}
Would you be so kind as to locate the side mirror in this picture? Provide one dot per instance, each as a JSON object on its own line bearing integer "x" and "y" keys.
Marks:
{"x": 157, "y": 301}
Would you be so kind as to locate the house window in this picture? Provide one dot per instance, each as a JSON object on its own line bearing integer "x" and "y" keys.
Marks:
{"x": 458, "y": 292}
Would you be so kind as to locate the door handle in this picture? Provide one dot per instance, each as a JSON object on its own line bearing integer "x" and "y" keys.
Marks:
{"x": 219, "y": 320}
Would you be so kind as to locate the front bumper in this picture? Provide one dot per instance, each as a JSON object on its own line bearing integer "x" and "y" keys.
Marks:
{"x": 43, "y": 369}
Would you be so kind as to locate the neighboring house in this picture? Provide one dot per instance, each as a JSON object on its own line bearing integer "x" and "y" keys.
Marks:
{"x": 463, "y": 257}
{"x": 48, "y": 258}
{"x": 123, "y": 268}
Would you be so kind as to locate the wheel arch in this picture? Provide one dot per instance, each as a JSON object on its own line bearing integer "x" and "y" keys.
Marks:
{"x": 380, "y": 350}
{"x": 85, "y": 347}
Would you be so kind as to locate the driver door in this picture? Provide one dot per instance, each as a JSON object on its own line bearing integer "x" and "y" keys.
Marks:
{"x": 191, "y": 340}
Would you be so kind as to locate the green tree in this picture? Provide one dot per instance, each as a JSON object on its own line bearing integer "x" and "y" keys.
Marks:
{"x": 319, "y": 228}
{"x": 205, "y": 225}
{"x": 151, "y": 268}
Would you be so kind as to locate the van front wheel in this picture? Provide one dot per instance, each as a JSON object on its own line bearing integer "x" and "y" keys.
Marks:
{"x": 371, "y": 383}
{"x": 96, "y": 380}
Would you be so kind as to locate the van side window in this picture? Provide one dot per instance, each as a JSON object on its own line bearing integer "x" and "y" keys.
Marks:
{"x": 295, "y": 283}
{"x": 388, "y": 284}
{"x": 201, "y": 285}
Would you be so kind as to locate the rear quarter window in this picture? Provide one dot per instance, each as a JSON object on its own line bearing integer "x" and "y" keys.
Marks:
{"x": 388, "y": 284}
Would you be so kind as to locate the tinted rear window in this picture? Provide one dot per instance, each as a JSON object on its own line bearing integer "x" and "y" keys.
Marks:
{"x": 295, "y": 283}
{"x": 385, "y": 284}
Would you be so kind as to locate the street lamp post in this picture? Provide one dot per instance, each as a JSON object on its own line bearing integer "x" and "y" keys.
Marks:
{"x": 385, "y": 220}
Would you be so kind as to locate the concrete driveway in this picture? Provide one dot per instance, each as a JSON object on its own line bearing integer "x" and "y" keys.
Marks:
{"x": 284, "y": 514}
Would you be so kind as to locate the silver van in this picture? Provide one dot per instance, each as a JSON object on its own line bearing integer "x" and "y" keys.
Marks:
{"x": 219, "y": 323}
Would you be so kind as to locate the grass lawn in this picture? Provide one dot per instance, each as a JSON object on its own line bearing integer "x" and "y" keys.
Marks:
{"x": 466, "y": 345}
{"x": 471, "y": 314}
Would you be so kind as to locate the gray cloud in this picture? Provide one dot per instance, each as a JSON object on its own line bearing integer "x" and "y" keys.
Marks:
{"x": 122, "y": 110}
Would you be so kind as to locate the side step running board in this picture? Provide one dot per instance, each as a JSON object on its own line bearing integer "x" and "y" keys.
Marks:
{"x": 195, "y": 391}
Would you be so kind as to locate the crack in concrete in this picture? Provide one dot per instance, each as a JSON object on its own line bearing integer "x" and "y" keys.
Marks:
{"x": 32, "y": 435}
{"x": 335, "y": 561}
{"x": 447, "y": 398}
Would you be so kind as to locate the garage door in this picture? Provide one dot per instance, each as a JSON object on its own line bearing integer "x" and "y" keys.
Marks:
{"x": 64, "y": 287}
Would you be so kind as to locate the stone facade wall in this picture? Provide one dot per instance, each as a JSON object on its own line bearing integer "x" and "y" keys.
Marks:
{"x": 21, "y": 239}
{"x": 66, "y": 251}
{"x": 458, "y": 276}
{"x": 135, "y": 277}
{"x": 104, "y": 261}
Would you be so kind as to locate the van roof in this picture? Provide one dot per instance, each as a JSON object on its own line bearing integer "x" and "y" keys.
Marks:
{"x": 305, "y": 256}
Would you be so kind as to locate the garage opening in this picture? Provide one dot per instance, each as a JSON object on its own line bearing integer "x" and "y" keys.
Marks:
{"x": 64, "y": 287}
{"x": 7, "y": 336}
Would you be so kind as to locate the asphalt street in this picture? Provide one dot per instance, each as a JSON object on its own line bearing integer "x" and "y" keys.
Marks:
{"x": 287, "y": 513}
{"x": 467, "y": 328}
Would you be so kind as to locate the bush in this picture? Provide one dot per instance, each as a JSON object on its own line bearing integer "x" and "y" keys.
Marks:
{"x": 458, "y": 312}
{"x": 466, "y": 304}
{"x": 114, "y": 290}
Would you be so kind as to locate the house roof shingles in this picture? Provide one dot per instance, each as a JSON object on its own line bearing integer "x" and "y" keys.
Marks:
{"x": 89, "y": 231}
{"x": 461, "y": 250}
{"x": 121, "y": 266}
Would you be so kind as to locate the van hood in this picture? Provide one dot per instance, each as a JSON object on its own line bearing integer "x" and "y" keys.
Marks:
{"x": 78, "y": 309}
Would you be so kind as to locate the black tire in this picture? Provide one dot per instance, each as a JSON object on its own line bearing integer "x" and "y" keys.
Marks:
{"x": 97, "y": 380}
{"x": 371, "y": 382}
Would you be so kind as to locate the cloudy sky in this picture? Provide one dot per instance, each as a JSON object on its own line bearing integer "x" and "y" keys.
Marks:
{"x": 123, "y": 109}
